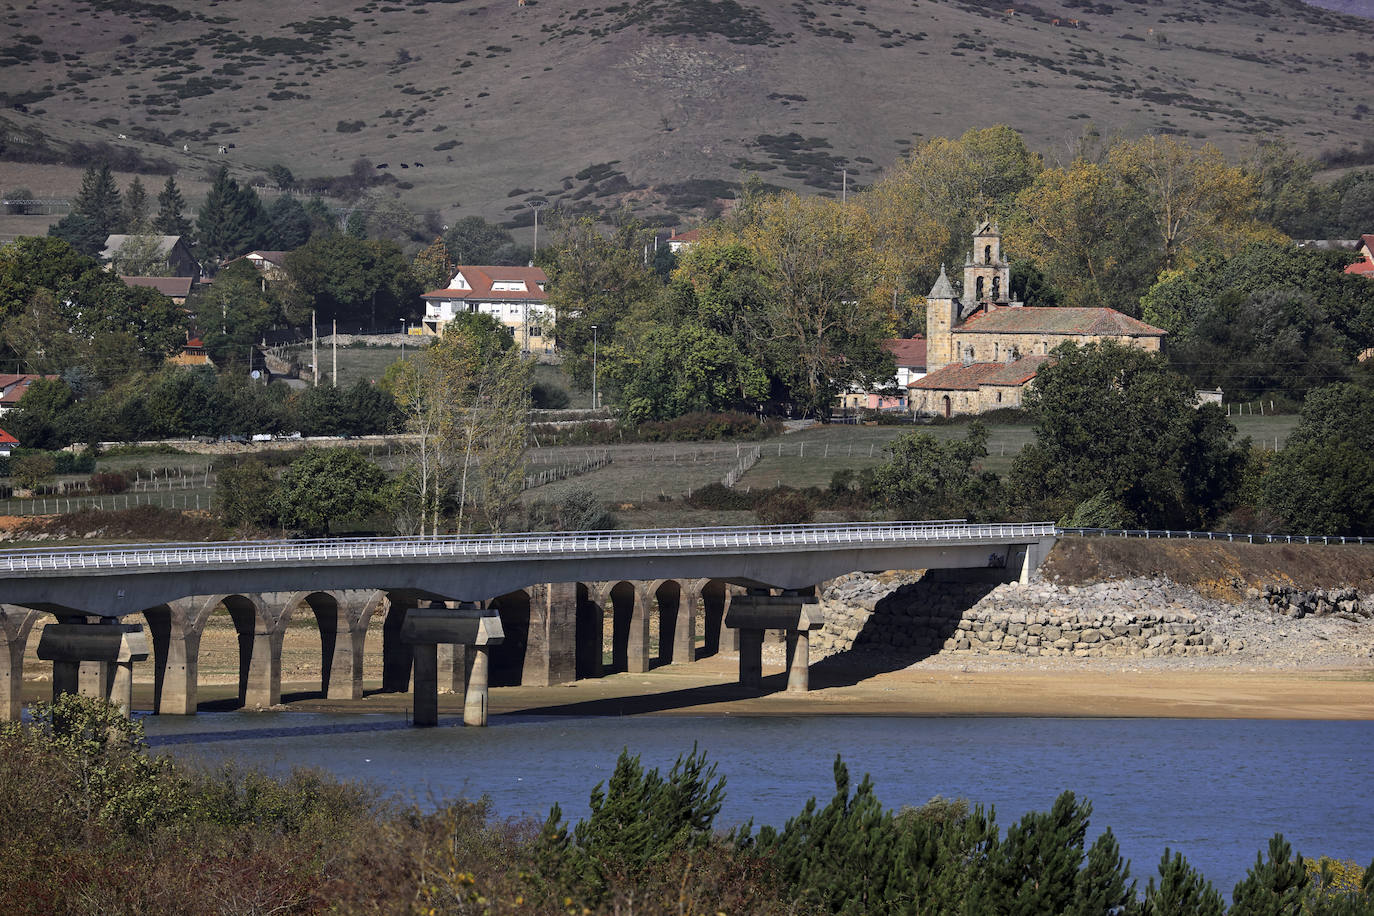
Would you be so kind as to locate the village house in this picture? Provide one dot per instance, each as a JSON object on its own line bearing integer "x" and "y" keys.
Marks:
{"x": 984, "y": 350}
{"x": 1365, "y": 266}
{"x": 13, "y": 387}
{"x": 271, "y": 264}
{"x": 174, "y": 288}
{"x": 909, "y": 355}
{"x": 174, "y": 257}
{"x": 7, "y": 444}
{"x": 517, "y": 297}
{"x": 679, "y": 242}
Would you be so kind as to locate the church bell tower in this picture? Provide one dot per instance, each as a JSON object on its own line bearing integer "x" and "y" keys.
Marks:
{"x": 987, "y": 278}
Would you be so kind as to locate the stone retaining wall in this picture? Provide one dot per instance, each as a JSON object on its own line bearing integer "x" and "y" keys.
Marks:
{"x": 921, "y": 617}
{"x": 1321, "y": 602}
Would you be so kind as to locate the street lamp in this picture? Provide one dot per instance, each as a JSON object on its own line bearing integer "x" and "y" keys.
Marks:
{"x": 403, "y": 338}
{"x": 594, "y": 394}
{"x": 536, "y": 206}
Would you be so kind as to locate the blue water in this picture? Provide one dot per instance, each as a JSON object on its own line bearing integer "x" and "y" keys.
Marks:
{"x": 1213, "y": 790}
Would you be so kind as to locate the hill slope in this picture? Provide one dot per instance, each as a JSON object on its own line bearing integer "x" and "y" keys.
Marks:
{"x": 487, "y": 104}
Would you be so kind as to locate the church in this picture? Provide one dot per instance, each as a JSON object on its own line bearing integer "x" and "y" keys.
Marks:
{"x": 983, "y": 350}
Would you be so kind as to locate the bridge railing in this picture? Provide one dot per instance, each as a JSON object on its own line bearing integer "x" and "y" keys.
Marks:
{"x": 1244, "y": 538}
{"x": 550, "y": 544}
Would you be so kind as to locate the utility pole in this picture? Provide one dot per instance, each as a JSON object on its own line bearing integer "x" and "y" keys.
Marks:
{"x": 844, "y": 185}
{"x": 314, "y": 350}
{"x": 595, "y": 399}
{"x": 335, "y": 348}
{"x": 536, "y": 206}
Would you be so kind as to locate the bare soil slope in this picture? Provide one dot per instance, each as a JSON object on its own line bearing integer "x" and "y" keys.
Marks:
{"x": 479, "y": 106}
{"x": 1219, "y": 569}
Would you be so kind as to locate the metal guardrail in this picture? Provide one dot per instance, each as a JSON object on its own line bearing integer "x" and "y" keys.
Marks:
{"x": 1216, "y": 536}
{"x": 553, "y": 545}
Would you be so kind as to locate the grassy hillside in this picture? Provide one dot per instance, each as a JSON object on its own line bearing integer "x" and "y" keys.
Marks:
{"x": 477, "y": 106}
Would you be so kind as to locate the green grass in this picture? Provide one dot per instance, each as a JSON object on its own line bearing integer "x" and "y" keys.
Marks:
{"x": 367, "y": 363}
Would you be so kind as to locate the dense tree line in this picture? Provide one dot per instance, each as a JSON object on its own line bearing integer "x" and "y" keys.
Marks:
{"x": 79, "y": 781}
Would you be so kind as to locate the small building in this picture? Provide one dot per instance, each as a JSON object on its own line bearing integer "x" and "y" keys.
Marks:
{"x": 192, "y": 354}
{"x": 679, "y": 242}
{"x": 13, "y": 387}
{"x": 175, "y": 288}
{"x": 517, "y": 297}
{"x": 983, "y": 349}
{"x": 1365, "y": 266}
{"x": 271, "y": 264}
{"x": 909, "y": 355}
{"x": 7, "y": 444}
{"x": 173, "y": 254}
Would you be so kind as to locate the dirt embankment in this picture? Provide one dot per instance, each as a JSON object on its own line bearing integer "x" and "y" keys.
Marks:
{"x": 1217, "y": 569}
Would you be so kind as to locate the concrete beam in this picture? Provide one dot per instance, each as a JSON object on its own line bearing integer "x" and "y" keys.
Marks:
{"x": 775, "y": 612}
{"x": 106, "y": 651}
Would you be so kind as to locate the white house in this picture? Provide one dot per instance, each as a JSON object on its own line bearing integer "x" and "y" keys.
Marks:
{"x": 517, "y": 297}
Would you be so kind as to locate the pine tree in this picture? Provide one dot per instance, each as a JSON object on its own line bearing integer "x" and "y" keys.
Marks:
{"x": 232, "y": 220}
{"x": 357, "y": 224}
{"x": 290, "y": 227}
{"x": 1104, "y": 884}
{"x": 1035, "y": 869}
{"x": 1272, "y": 888}
{"x": 136, "y": 208}
{"x": 842, "y": 856}
{"x": 1182, "y": 890}
{"x": 170, "y": 219}
{"x": 96, "y": 212}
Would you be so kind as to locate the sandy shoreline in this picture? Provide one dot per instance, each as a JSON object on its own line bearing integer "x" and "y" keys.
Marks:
{"x": 1012, "y": 689}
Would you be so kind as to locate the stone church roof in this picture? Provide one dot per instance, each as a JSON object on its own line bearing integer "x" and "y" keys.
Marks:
{"x": 958, "y": 377}
{"x": 1039, "y": 320}
{"x": 941, "y": 289}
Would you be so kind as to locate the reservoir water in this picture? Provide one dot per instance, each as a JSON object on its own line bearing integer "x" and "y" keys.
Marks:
{"x": 1215, "y": 790}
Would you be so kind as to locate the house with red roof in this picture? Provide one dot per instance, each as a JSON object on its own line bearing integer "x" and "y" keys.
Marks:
{"x": 679, "y": 242}
{"x": 983, "y": 350}
{"x": 517, "y": 297}
{"x": 175, "y": 288}
{"x": 13, "y": 387}
{"x": 909, "y": 355}
{"x": 1365, "y": 266}
{"x": 7, "y": 444}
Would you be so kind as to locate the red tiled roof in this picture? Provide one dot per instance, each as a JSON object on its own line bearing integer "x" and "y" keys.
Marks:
{"x": 172, "y": 287}
{"x": 1040, "y": 320}
{"x": 7, "y": 439}
{"x": 195, "y": 343}
{"x": 1362, "y": 268}
{"x": 958, "y": 377}
{"x": 482, "y": 278}
{"x": 909, "y": 352}
{"x": 691, "y": 235}
{"x": 1367, "y": 241}
{"x": 15, "y": 386}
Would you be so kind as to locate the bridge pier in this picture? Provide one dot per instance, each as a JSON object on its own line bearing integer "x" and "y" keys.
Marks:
{"x": 794, "y": 613}
{"x": 637, "y": 650}
{"x": 551, "y": 642}
{"x": 476, "y": 630}
{"x": 113, "y": 647}
{"x": 15, "y": 625}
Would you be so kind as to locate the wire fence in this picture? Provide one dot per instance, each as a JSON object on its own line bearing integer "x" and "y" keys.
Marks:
{"x": 564, "y": 471}
{"x": 746, "y": 461}
{"x": 58, "y": 505}
{"x": 1232, "y": 536}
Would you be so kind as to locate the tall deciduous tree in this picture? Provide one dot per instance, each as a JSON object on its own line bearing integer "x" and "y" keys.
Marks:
{"x": 466, "y": 400}
{"x": 353, "y": 281}
{"x": 432, "y": 267}
{"x": 329, "y": 486}
{"x": 1114, "y": 420}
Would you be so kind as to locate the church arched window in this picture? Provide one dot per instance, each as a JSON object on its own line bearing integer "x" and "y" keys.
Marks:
{"x": 978, "y": 295}
{"x": 987, "y": 254}
{"x": 996, "y": 289}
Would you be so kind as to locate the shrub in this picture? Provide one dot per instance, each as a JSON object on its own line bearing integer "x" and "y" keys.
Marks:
{"x": 784, "y": 506}
{"x": 719, "y": 496}
{"x": 548, "y": 397}
{"x": 108, "y": 482}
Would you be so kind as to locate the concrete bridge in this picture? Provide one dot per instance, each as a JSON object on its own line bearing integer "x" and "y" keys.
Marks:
{"x": 459, "y": 612}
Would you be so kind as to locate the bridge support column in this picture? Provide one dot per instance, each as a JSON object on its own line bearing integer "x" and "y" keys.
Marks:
{"x": 452, "y": 666}
{"x": 426, "y": 684}
{"x": 15, "y": 626}
{"x": 794, "y": 613}
{"x": 94, "y": 679}
{"x": 345, "y": 671}
{"x": 551, "y": 646}
{"x": 264, "y": 670}
{"x": 798, "y": 661}
{"x": 750, "y": 643}
{"x": 113, "y": 647}
{"x": 425, "y": 629}
{"x": 684, "y": 645}
{"x": 475, "y": 690}
{"x": 176, "y": 654}
{"x": 637, "y": 649}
